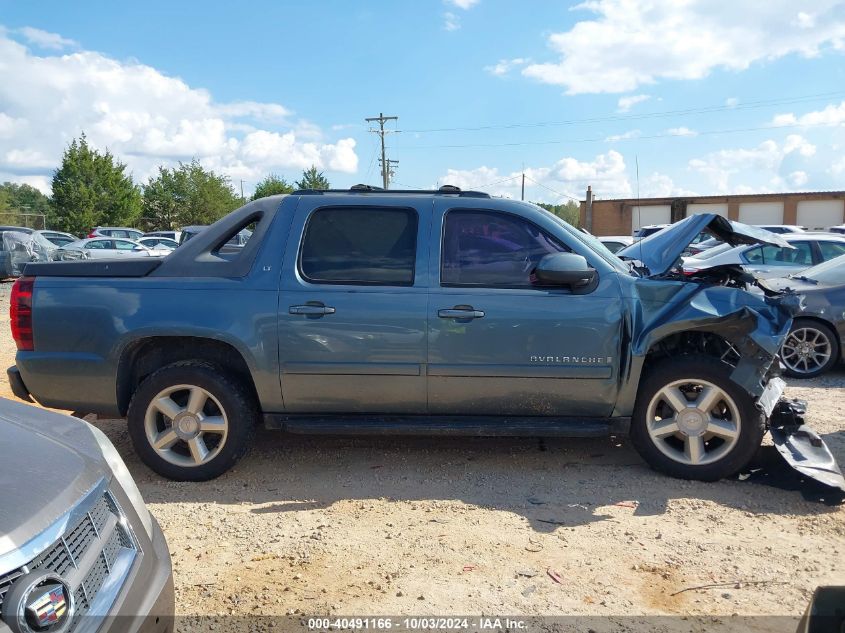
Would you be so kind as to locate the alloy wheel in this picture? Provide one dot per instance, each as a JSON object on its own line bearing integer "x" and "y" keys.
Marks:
{"x": 186, "y": 425}
{"x": 693, "y": 422}
{"x": 806, "y": 350}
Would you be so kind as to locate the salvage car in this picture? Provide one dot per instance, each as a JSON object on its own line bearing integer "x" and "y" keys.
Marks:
{"x": 614, "y": 243}
{"x": 419, "y": 312}
{"x": 815, "y": 341}
{"x": 80, "y": 551}
{"x": 801, "y": 251}
{"x": 108, "y": 248}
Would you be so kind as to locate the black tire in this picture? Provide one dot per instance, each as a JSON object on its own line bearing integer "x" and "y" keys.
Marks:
{"x": 235, "y": 399}
{"x": 752, "y": 425}
{"x": 822, "y": 330}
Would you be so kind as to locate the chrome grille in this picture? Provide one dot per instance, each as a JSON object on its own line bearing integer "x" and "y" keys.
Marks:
{"x": 73, "y": 549}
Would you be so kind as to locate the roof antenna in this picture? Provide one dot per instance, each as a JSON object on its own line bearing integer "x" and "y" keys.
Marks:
{"x": 639, "y": 208}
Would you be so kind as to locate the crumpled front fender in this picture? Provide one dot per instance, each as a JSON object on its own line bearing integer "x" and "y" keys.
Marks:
{"x": 754, "y": 324}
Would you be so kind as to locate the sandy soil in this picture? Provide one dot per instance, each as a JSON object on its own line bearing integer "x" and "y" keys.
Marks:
{"x": 470, "y": 526}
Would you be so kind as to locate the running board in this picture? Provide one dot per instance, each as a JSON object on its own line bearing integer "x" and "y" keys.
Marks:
{"x": 459, "y": 425}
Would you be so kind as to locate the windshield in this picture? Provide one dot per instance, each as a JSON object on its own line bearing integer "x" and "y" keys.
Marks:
{"x": 591, "y": 242}
{"x": 830, "y": 273}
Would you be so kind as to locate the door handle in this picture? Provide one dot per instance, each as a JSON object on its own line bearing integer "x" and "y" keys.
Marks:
{"x": 460, "y": 313}
{"x": 311, "y": 310}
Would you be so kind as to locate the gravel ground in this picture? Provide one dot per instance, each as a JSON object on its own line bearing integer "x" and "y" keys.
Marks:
{"x": 470, "y": 526}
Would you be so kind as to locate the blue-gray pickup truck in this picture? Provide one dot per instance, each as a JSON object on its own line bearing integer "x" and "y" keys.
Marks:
{"x": 417, "y": 312}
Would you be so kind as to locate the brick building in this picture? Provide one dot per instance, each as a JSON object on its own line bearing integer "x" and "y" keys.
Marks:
{"x": 816, "y": 210}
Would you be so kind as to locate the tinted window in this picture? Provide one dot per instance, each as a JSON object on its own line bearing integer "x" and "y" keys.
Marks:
{"x": 830, "y": 250}
{"x": 485, "y": 248}
{"x": 99, "y": 244}
{"x": 359, "y": 245}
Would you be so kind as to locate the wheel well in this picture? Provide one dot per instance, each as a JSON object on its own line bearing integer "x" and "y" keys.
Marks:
{"x": 143, "y": 357}
{"x": 693, "y": 342}
{"x": 820, "y": 321}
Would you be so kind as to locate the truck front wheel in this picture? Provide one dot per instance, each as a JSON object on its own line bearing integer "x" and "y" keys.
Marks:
{"x": 190, "y": 421}
{"x": 691, "y": 421}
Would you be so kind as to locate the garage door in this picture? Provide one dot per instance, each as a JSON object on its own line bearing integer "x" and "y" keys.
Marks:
{"x": 717, "y": 208}
{"x": 653, "y": 214}
{"x": 820, "y": 214}
{"x": 761, "y": 212}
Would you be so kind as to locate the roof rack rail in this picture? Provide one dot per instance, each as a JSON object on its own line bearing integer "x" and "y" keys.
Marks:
{"x": 449, "y": 190}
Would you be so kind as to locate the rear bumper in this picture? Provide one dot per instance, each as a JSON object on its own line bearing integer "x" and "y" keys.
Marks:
{"x": 17, "y": 384}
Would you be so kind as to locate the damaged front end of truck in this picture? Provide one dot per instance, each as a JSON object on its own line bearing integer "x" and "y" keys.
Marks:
{"x": 724, "y": 312}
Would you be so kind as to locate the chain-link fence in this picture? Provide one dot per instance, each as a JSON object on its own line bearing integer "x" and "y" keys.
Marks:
{"x": 37, "y": 221}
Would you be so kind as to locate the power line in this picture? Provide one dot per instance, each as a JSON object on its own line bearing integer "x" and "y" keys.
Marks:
{"x": 386, "y": 165}
{"x": 751, "y": 105}
{"x": 560, "y": 193}
{"x": 633, "y": 138}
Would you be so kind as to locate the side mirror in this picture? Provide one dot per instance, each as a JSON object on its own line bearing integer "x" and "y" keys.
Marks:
{"x": 564, "y": 269}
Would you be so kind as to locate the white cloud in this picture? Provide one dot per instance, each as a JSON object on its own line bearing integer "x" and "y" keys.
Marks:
{"x": 798, "y": 178}
{"x": 626, "y": 103}
{"x": 830, "y": 115}
{"x": 45, "y": 39}
{"x": 569, "y": 176}
{"x": 681, "y": 131}
{"x": 763, "y": 161}
{"x": 451, "y": 22}
{"x": 146, "y": 118}
{"x": 463, "y": 4}
{"x": 624, "y": 137}
{"x": 632, "y": 43}
{"x": 504, "y": 66}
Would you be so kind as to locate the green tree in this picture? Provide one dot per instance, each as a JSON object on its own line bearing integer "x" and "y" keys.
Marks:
{"x": 92, "y": 188}
{"x": 312, "y": 179}
{"x": 187, "y": 194}
{"x": 270, "y": 186}
{"x": 20, "y": 199}
{"x": 570, "y": 212}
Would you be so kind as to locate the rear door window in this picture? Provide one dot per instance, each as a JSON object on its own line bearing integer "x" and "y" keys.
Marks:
{"x": 829, "y": 250}
{"x": 99, "y": 244}
{"x": 360, "y": 245}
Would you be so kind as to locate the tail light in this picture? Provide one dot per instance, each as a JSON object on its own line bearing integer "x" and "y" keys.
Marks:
{"x": 690, "y": 271}
{"x": 20, "y": 313}
{"x": 92, "y": 234}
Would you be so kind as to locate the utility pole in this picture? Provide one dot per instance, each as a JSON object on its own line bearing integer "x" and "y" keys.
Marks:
{"x": 588, "y": 215}
{"x": 242, "y": 191}
{"x": 523, "y": 186}
{"x": 386, "y": 165}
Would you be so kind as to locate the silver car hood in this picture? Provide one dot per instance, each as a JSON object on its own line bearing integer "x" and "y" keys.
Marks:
{"x": 48, "y": 463}
{"x": 659, "y": 252}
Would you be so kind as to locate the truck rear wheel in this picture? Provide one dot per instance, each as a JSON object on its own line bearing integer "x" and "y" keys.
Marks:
{"x": 691, "y": 421}
{"x": 190, "y": 421}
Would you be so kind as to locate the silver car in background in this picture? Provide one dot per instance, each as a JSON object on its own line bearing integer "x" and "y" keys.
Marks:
{"x": 769, "y": 261}
{"x": 79, "y": 551}
{"x": 107, "y": 248}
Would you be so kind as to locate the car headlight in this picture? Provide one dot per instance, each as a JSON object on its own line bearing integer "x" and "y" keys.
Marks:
{"x": 124, "y": 478}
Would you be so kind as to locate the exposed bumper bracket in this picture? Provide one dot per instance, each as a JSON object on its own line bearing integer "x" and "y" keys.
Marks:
{"x": 802, "y": 447}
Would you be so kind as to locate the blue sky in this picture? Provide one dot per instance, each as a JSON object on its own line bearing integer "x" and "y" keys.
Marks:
{"x": 709, "y": 96}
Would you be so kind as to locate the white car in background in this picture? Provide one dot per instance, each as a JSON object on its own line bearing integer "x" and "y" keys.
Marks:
{"x": 614, "y": 243}
{"x": 107, "y": 248}
{"x": 159, "y": 243}
{"x": 769, "y": 261}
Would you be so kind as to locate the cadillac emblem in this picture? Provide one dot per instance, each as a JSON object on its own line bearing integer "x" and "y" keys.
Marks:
{"x": 38, "y": 603}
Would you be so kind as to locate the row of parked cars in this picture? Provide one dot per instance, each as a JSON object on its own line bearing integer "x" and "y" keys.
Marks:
{"x": 809, "y": 262}
{"x": 22, "y": 245}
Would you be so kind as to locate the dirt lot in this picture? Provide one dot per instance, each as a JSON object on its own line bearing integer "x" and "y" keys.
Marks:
{"x": 471, "y": 526}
